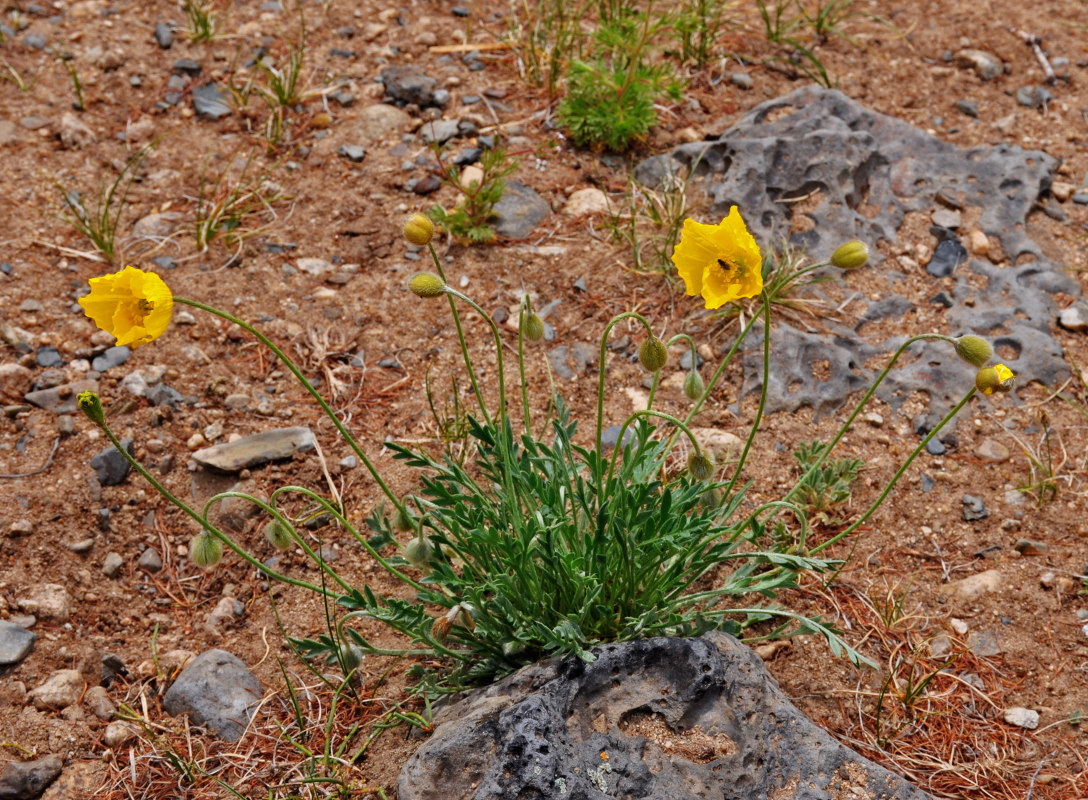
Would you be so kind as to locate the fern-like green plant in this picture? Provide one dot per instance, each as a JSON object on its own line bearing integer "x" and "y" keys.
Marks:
{"x": 470, "y": 221}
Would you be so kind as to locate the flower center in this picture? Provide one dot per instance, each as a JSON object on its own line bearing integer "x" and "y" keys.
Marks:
{"x": 730, "y": 271}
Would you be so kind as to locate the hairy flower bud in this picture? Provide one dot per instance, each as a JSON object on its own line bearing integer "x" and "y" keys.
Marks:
{"x": 851, "y": 255}
{"x": 403, "y": 521}
{"x": 91, "y": 405}
{"x": 278, "y": 535}
{"x": 351, "y": 656}
{"x": 419, "y": 551}
{"x": 532, "y": 327}
{"x": 653, "y": 354}
{"x": 974, "y": 350}
{"x": 419, "y": 230}
{"x": 700, "y": 465}
{"x": 205, "y": 550}
{"x": 426, "y": 284}
{"x": 694, "y": 386}
{"x": 997, "y": 378}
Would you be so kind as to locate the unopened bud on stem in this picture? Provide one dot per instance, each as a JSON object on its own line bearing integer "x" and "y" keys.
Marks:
{"x": 426, "y": 284}
{"x": 653, "y": 354}
{"x": 974, "y": 350}
{"x": 419, "y": 230}
{"x": 851, "y": 255}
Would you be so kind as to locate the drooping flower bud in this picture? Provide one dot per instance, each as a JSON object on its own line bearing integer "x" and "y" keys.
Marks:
{"x": 351, "y": 656}
{"x": 205, "y": 550}
{"x": 694, "y": 386}
{"x": 91, "y": 406}
{"x": 653, "y": 354}
{"x": 532, "y": 327}
{"x": 278, "y": 535}
{"x": 997, "y": 378}
{"x": 426, "y": 284}
{"x": 974, "y": 350}
{"x": 851, "y": 255}
{"x": 419, "y": 551}
{"x": 402, "y": 520}
{"x": 419, "y": 230}
{"x": 700, "y": 465}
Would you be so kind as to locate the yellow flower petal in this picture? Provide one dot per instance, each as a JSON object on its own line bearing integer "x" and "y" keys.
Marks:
{"x": 721, "y": 262}
{"x": 133, "y": 305}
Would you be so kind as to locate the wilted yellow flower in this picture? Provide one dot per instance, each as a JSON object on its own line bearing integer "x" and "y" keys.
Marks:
{"x": 133, "y": 305}
{"x": 720, "y": 262}
{"x": 997, "y": 378}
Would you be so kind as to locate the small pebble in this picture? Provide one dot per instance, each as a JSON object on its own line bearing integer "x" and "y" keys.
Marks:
{"x": 1022, "y": 717}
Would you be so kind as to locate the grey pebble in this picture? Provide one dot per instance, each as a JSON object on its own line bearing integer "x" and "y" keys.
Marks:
{"x": 110, "y": 358}
{"x": 973, "y": 508}
{"x": 1033, "y": 96}
{"x": 1081, "y": 198}
{"x": 217, "y": 690}
{"x": 15, "y": 642}
{"x": 164, "y": 35}
{"x": 349, "y": 462}
{"x": 110, "y": 466}
{"x": 209, "y": 101}
{"x": 48, "y": 357}
{"x": 186, "y": 66}
{"x": 352, "y": 152}
{"x": 22, "y": 780}
{"x": 150, "y": 560}
{"x": 968, "y": 107}
{"x": 741, "y": 80}
{"x": 112, "y": 564}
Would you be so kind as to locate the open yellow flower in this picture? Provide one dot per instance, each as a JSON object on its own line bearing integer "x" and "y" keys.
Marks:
{"x": 720, "y": 262}
{"x": 133, "y": 305}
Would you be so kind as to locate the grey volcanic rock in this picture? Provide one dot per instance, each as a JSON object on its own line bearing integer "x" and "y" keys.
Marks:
{"x": 676, "y": 718}
{"x": 861, "y": 173}
{"x": 24, "y": 780}
{"x": 519, "y": 211}
{"x": 15, "y": 642}
{"x": 217, "y": 690}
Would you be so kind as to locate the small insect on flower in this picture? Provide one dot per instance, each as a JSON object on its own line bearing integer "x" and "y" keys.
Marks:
{"x": 721, "y": 262}
{"x": 133, "y": 305}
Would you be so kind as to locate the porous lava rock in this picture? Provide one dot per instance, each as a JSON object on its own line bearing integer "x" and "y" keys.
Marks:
{"x": 677, "y": 718}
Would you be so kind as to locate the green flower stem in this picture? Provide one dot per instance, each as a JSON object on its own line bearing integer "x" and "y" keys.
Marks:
{"x": 523, "y": 312}
{"x": 718, "y": 372}
{"x": 461, "y": 337}
{"x": 334, "y": 511}
{"x": 268, "y": 509}
{"x": 762, "y": 393}
{"x": 647, "y": 412}
{"x": 498, "y": 345}
{"x": 309, "y": 388}
{"x": 899, "y": 473}
{"x": 370, "y": 649}
{"x": 653, "y": 390}
{"x": 857, "y": 410}
{"x": 601, "y": 368}
{"x": 201, "y": 521}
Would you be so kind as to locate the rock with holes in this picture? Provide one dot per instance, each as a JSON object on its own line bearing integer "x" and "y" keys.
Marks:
{"x": 824, "y": 169}
{"x": 681, "y": 718}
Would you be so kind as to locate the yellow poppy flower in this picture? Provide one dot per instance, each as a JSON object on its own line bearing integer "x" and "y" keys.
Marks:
{"x": 720, "y": 262}
{"x": 133, "y": 305}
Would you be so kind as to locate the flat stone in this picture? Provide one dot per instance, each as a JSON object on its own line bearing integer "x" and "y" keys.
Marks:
{"x": 60, "y": 399}
{"x": 983, "y": 643}
{"x": 314, "y": 266}
{"x": 408, "y": 83}
{"x": 74, "y": 133}
{"x": 1021, "y": 717}
{"x": 63, "y": 689}
{"x": 118, "y": 733}
{"x": 110, "y": 358}
{"x": 976, "y": 585}
{"x": 156, "y": 226}
{"x": 256, "y": 450}
{"x": 1033, "y": 96}
{"x": 110, "y": 466}
{"x": 947, "y": 218}
{"x": 210, "y": 102}
{"x": 992, "y": 450}
{"x": 15, "y": 643}
{"x": 15, "y": 380}
{"x": 25, "y": 780}
{"x": 683, "y": 718}
{"x": 98, "y": 702}
{"x": 724, "y": 446}
{"x": 217, "y": 690}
